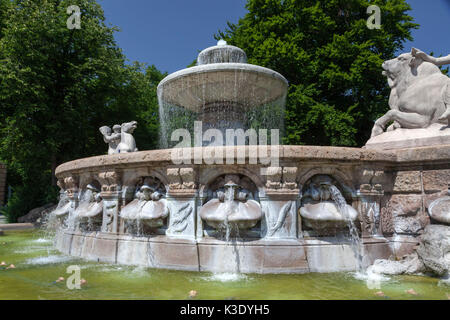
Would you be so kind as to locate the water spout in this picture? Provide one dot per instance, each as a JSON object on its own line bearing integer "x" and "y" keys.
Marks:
{"x": 221, "y": 42}
{"x": 341, "y": 203}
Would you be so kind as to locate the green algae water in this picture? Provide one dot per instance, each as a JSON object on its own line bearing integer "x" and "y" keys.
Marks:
{"x": 38, "y": 265}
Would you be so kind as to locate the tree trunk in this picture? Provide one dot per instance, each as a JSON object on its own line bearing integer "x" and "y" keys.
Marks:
{"x": 53, "y": 169}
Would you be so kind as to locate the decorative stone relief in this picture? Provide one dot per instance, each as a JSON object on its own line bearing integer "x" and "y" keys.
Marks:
{"x": 179, "y": 222}
{"x": 63, "y": 208}
{"x": 232, "y": 203}
{"x": 90, "y": 208}
{"x": 182, "y": 202}
{"x": 187, "y": 178}
{"x": 324, "y": 208}
{"x": 173, "y": 175}
{"x": 181, "y": 179}
{"x": 289, "y": 178}
{"x": 182, "y": 218}
{"x": 61, "y": 185}
{"x": 149, "y": 207}
{"x": 110, "y": 184}
{"x": 274, "y": 175}
{"x": 371, "y": 181}
{"x": 71, "y": 185}
{"x": 280, "y": 219}
{"x": 371, "y": 215}
{"x": 110, "y": 213}
{"x": 110, "y": 181}
{"x": 281, "y": 178}
{"x": 280, "y": 204}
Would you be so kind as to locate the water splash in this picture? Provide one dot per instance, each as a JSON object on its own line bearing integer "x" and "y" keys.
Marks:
{"x": 372, "y": 279}
{"x": 229, "y": 233}
{"x": 357, "y": 247}
{"x": 43, "y": 240}
{"x": 51, "y": 259}
{"x": 226, "y": 277}
{"x": 444, "y": 282}
{"x": 221, "y": 42}
{"x": 220, "y": 98}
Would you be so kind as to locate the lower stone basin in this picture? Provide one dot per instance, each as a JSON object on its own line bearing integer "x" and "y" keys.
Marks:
{"x": 106, "y": 282}
{"x": 371, "y": 182}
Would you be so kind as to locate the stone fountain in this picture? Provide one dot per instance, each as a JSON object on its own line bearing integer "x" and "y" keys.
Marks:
{"x": 300, "y": 213}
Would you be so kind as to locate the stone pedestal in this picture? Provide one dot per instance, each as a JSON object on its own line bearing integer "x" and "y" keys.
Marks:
{"x": 74, "y": 201}
{"x": 280, "y": 216}
{"x": 111, "y": 203}
{"x": 436, "y": 134}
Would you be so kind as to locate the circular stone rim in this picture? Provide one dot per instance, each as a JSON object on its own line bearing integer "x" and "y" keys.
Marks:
{"x": 222, "y": 67}
{"x": 160, "y": 157}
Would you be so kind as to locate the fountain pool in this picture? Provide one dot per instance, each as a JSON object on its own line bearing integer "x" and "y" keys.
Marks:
{"x": 38, "y": 265}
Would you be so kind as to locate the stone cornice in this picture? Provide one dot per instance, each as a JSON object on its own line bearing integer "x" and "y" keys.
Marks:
{"x": 287, "y": 154}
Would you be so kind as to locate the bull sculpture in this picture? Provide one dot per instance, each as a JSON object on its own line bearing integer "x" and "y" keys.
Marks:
{"x": 420, "y": 92}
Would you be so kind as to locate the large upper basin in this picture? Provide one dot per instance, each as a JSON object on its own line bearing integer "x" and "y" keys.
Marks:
{"x": 240, "y": 84}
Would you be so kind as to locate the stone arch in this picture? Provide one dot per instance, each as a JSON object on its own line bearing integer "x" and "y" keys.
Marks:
{"x": 161, "y": 176}
{"x": 207, "y": 176}
{"x": 89, "y": 178}
{"x": 341, "y": 177}
{"x": 133, "y": 177}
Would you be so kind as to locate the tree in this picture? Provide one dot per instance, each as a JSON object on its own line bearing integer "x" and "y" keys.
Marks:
{"x": 137, "y": 100}
{"x": 59, "y": 85}
{"x": 3, "y": 10}
{"x": 331, "y": 59}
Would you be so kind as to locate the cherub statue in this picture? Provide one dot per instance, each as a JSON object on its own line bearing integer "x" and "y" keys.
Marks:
{"x": 121, "y": 140}
{"x": 111, "y": 138}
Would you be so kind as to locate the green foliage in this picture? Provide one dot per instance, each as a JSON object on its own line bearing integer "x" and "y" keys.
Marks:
{"x": 24, "y": 199}
{"x": 4, "y": 4}
{"x": 330, "y": 58}
{"x": 58, "y": 86}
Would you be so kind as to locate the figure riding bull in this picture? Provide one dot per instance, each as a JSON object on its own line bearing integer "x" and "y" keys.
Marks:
{"x": 420, "y": 92}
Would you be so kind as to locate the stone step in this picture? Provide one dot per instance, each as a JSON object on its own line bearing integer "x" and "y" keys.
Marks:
{"x": 17, "y": 226}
